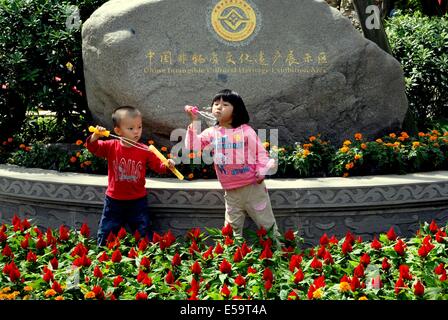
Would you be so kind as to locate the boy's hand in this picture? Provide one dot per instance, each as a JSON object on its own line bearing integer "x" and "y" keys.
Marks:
{"x": 170, "y": 164}
{"x": 189, "y": 109}
{"x": 96, "y": 136}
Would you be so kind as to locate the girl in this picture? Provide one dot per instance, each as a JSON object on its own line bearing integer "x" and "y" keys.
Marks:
{"x": 241, "y": 162}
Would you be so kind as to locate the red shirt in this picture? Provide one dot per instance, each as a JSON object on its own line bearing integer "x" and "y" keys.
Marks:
{"x": 126, "y": 167}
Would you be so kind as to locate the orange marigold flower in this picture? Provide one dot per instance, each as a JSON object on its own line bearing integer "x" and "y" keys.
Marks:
{"x": 307, "y": 145}
{"x": 358, "y": 156}
{"x": 89, "y": 295}
{"x": 379, "y": 141}
{"x": 191, "y": 176}
{"x": 435, "y": 132}
{"x": 164, "y": 149}
{"x": 349, "y": 165}
{"x": 363, "y": 146}
{"x": 27, "y": 148}
{"x": 191, "y": 155}
{"x": 344, "y": 286}
{"x": 87, "y": 163}
{"x": 265, "y": 144}
{"x": 436, "y": 145}
{"x": 433, "y": 138}
{"x": 392, "y": 135}
{"x": 363, "y": 298}
{"x": 78, "y": 154}
{"x": 345, "y": 175}
{"x": 59, "y": 298}
{"x": 344, "y": 149}
{"x": 72, "y": 159}
{"x": 22, "y": 146}
{"x": 312, "y": 138}
{"x": 404, "y": 135}
{"x": 347, "y": 143}
{"x": 150, "y": 141}
{"x": 79, "y": 142}
{"x": 421, "y": 134}
{"x": 358, "y": 136}
{"x": 415, "y": 144}
{"x": 50, "y": 293}
{"x": 306, "y": 152}
{"x": 28, "y": 288}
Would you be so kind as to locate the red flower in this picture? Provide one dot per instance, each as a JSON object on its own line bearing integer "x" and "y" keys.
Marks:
{"x": 261, "y": 232}
{"x": 391, "y": 234}
{"x": 208, "y": 254}
{"x": 245, "y": 249}
{"x": 167, "y": 240}
{"x": 267, "y": 275}
{"x": 3, "y": 236}
{"x": 419, "y": 289}
{"x": 440, "y": 269}
{"x": 26, "y": 224}
{"x": 57, "y": 287}
{"x": 225, "y": 291}
{"x": 319, "y": 282}
{"x": 399, "y": 285}
{"x": 237, "y": 256}
{"x": 7, "y": 252}
{"x": 376, "y": 245}
{"x": 227, "y": 230}
{"x": 228, "y": 241}
{"x": 143, "y": 277}
{"x": 40, "y": 244}
{"x": 48, "y": 275}
{"x": 268, "y": 285}
{"x": 440, "y": 235}
{"x": 63, "y": 233}
{"x": 121, "y": 233}
{"x": 404, "y": 272}
{"x": 399, "y": 247}
{"x": 385, "y": 264}
{"x": 194, "y": 287}
{"x": 137, "y": 235}
{"x": 240, "y": 281}
{"x": 141, "y": 296}
{"x": 12, "y": 271}
{"x": 251, "y": 270}
{"x": 333, "y": 240}
{"x": 83, "y": 261}
{"x": 225, "y": 266}
{"x": 116, "y": 256}
{"x": 31, "y": 257}
{"x": 132, "y": 254}
{"x": 433, "y": 227}
{"x": 193, "y": 247}
{"x": 97, "y": 272}
{"x": 54, "y": 263}
{"x": 194, "y": 233}
{"x": 79, "y": 250}
{"x": 218, "y": 249}
{"x": 295, "y": 262}
{"x": 169, "y": 278}
{"x": 324, "y": 240}
{"x": 321, "y": 252}
{"x": 289, "y": 235}
{"x": 118, "y": 279}
{"x": 104, "y": 257}
{"x": 316, "y": 264}
{"x": 142, "y": 244}
{"x": 349, "y": 237}
{"x": 196, "y": 268}
{"x": 156, "y": 237}
{"x": 176, "y": 260}
{"x": 299, "y": 276}
{"x": 346, "y": 247}
{"x": 266, "y": 254}
{"x": 293, "y": 296}
{"x": 145, "y": 263}
{"x": 85, "y": 231}
{"x": 328, "y": 258}
{"x": 365, "y": 259}
{"x": 355, "y": 284}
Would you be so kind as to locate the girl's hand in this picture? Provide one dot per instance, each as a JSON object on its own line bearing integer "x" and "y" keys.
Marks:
{"x": 170, "y": 164}
{"x": 189, "y": 109}
{"x": 96, "y": 136}
{"x": 260, "y": 179}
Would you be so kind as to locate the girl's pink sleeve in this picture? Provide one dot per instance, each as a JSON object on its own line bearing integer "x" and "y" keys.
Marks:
{"x": 257, "y": 154}
{"x": 195, "y": 141}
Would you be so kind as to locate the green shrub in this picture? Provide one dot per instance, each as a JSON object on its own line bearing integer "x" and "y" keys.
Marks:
{"x": 421, "y": 45}
{"x": 40, "y": 50}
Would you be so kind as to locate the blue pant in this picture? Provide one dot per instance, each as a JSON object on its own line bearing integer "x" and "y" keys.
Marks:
{"x": 132, "y": 214}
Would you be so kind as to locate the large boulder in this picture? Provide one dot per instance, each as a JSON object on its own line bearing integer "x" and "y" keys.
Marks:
{"x": 299, "y": 65}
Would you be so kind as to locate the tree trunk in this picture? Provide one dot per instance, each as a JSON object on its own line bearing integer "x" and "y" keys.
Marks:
{"x": 375, "y": 34}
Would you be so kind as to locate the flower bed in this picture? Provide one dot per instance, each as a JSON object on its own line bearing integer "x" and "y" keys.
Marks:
{"x": 66, "y": 264}
{"x": 396, "y": 153}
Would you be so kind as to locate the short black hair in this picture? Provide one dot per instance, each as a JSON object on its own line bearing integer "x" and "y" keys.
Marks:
{"x": 124, "y": 111}
{"x": 240, "y": 115}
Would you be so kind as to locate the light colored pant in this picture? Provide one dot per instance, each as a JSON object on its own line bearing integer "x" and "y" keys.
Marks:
{"x": 253, "y": 200}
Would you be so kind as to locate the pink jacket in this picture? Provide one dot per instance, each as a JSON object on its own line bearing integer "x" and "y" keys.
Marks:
{"x": 238, "y": 155}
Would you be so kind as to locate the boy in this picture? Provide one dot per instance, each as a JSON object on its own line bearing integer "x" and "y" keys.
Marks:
{"x": 125, "y": 201}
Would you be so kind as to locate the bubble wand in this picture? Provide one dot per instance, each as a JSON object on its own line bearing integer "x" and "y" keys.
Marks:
{"x": 195, "y": 110}
{"x": 141, "y": 146}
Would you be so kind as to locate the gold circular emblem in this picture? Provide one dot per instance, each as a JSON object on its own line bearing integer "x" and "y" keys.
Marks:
{"x": 233, "y": 20}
